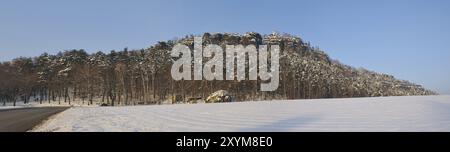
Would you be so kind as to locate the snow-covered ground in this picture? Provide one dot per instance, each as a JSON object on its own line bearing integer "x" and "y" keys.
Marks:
{"x": 9, "y": 105}
{"x": 418, "y": 113}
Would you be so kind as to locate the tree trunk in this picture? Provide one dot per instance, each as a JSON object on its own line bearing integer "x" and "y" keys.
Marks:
{"x": 143, "y": 86}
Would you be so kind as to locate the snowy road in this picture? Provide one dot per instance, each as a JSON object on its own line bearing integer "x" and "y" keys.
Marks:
{"x": 24, "y": 119}
{"x": 419, "y": 113}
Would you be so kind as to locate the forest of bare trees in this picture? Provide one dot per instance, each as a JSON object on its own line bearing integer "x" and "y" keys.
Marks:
{"x": 130, "y": 77}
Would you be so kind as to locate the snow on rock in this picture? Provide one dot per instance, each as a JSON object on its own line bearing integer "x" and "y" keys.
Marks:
{"x": 219, "y": 96}
{"x": 414, "y": 113}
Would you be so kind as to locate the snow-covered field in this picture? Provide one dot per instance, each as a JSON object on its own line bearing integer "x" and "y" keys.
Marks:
{"x": 418, "y": 113}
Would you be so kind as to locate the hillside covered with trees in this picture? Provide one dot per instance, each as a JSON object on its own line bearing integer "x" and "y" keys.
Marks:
{"x": 129, "y": 77}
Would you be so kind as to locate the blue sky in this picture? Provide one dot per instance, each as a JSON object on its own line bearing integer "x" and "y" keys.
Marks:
{"x": 409, "y": 39}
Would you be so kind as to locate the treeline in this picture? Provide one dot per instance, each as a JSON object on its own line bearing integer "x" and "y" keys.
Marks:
{"x": 114, "y": 78}
{"x": 130, "y": 77}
